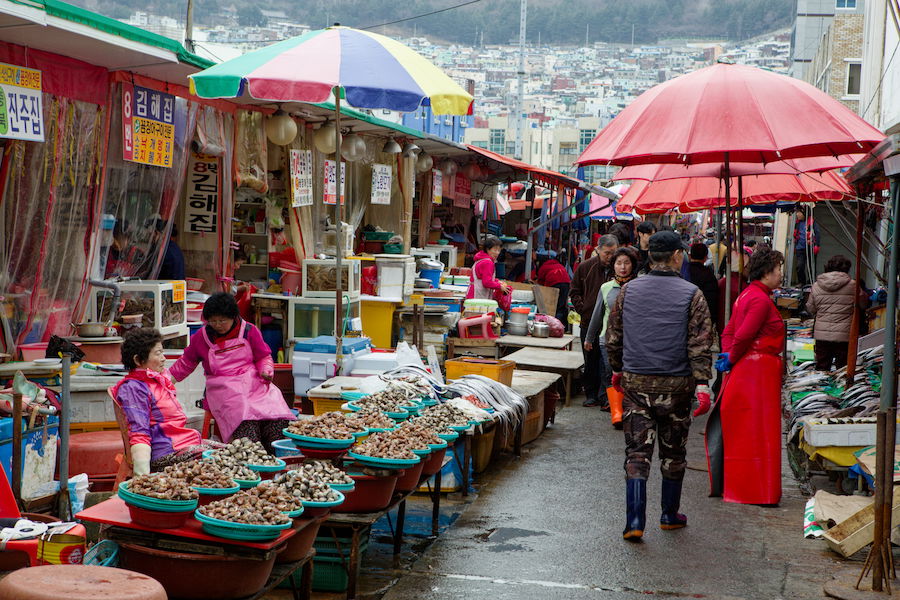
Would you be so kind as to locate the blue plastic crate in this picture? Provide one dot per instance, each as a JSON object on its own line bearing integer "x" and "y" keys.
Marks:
{"x": 33, "y": 438}
{"x": 452, "y": 304}
{"x": 326, "y": 344}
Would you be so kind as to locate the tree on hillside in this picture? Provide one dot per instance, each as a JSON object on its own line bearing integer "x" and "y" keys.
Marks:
{"x": 249, "y": 15}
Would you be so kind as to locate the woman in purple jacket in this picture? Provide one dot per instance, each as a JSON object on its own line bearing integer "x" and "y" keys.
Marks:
{"x": 239, "y": 369}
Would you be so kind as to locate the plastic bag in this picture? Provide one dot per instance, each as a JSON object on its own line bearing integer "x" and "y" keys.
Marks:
{"x": 557, "y": 329}
{"x": 250, "y": 151}
{"x": 408, "y": 355}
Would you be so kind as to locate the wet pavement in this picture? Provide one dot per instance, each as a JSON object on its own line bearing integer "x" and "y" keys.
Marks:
{"x": 549, "y": 526}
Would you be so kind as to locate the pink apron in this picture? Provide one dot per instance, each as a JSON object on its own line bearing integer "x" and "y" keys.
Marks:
{"x": 235, "y": 392}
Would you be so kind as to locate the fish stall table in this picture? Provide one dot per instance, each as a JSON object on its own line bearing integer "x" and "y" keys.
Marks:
{"x": 526, "y": 341}
{"x": 192, "y": 539}
{"x": 563, "y": 362}
{"x": 359, "y": 522}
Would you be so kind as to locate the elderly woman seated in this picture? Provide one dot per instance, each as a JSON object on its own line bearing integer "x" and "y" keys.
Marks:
{"x": 157, "y": 426}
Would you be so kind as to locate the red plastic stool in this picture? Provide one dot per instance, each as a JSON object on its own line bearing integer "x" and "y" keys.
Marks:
{"x": 484, "y": 321}
{"x": 80, "y": 582}
{"x": 94, "y": 453}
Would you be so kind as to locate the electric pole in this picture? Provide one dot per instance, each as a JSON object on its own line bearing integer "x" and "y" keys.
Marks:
{"x": 189, "y": 27}
{"x": 520, "y": 96}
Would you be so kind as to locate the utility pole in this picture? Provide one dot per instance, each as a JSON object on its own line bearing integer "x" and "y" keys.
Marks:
{"x": 189, "y": 27}
{"x": 632, "y": 35}
{"x": 587, "y": 34}
{"x": 520, "y": 96}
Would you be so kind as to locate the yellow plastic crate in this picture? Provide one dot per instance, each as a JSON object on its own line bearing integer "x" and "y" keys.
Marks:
{"x": 498, "y": 370}
{"x": 324, "y": 405}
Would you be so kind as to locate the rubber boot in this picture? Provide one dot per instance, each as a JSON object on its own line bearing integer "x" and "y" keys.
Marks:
{"x": 671, "y": 500}
{"x": 615, "y": 406}
{"x": 635, "y": 509}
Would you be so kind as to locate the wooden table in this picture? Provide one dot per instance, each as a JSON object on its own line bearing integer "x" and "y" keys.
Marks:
{"x": 359, "y": 522}
{"x": 526, "y": 341}
{"x": 564, "y": 362}
{"x": 191, "y": 538}
{"x": 532, "y": 383}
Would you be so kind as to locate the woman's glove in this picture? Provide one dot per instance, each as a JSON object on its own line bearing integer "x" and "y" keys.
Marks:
{"x": 140, "y": 458}
{"x": 704, "y": 400}
{"x": 723, "y": 364}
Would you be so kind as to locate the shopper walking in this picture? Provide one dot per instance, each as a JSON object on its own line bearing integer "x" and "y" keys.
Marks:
{"x": 832, "y": 301}
{"x": 589, "y": 276}
{"x": 659, "y": 340}
{"x": 704, "y": 278}
{"x": 743, "y": 434}
{"x": 644, "y": 230}
{"x": 624, "y": 264}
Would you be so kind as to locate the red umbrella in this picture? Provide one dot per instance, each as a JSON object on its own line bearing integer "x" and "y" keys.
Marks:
{"x": 730, "y": 112}
{"x": 697, "y": 193}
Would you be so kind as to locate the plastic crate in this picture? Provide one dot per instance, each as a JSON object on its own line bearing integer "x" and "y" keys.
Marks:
{"x": 498, "y": 370}
{"x": 329, "y": 574}
{"x": 328, "y": 546}
{"x": 393, "y": 248}
{"x": 324, "y": 405}
{"x": 377, "y": 236}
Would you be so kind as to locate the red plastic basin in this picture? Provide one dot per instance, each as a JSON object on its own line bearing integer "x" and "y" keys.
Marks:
{"x": 433, "y": 463}
{"x": 158, "y": 518}
{"x": 301, "y": 542}
{"x": 409, "y": 480}
{"x": 198, "y": 576}
{"x": 371, "y": 493}
{"x": 94, "y": 453}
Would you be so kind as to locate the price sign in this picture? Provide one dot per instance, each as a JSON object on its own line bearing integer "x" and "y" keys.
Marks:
{"x": 437, "y": 186}
{"x": 301, "y": 178}
{"x": 381, "y": 184}
{"x": 331, "y": 181}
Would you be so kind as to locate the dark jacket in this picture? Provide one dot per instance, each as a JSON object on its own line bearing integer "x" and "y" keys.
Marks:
{"x": 589, "y": 276}
{"x": 704, "y": 278}
{"x": 660, "y": 334}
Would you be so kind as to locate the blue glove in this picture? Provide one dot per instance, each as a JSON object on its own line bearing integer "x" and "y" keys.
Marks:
{"x": 723, "y": 364}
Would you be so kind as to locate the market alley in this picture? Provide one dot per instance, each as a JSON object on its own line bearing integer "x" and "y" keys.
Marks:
{"x": 549, "y": 526}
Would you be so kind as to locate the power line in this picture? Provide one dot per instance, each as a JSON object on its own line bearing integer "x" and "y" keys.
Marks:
{"x": 434, "y": 12}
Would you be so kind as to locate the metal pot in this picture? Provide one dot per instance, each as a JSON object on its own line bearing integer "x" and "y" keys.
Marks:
{"x": 517, "y": 328}
{"x": 540, "y": 330}
{"x": 90, "y": 329}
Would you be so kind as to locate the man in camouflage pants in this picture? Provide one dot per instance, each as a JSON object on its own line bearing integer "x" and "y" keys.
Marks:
{"x": 660, "y": 342}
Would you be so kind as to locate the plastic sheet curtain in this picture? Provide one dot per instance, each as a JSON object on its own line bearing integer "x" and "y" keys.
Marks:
{"x": 207, "y": 255}
{"x": 138, "y": 196}
{"x": 50, "y": 211}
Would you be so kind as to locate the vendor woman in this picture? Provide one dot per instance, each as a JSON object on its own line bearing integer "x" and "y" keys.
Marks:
{"x": 239, "y": 370}
{"x": 157, "y": 427}
{"x": 743, "y": 433}
{"x": 483, "y": 283}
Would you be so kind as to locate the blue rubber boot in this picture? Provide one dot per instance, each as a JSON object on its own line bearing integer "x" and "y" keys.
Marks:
{"x": 671, "y": 500}
{"x": 635, "y": 509}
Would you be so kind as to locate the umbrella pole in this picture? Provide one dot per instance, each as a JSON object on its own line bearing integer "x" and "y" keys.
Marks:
{"x": 728, "y": 240}
{"x": 339, "y": 238}
{"x": 853, "y": 346}
{"x": 740, "y": 230}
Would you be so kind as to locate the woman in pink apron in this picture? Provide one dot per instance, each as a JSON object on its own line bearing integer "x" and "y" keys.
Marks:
{"x": 239, "y": 369}
{"x": 483, "y": 283}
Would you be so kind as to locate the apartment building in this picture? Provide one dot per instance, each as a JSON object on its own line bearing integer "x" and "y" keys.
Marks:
{"x": 836, "y": 67}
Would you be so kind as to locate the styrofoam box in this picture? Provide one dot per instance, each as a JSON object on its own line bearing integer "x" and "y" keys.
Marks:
{"x": 396, "y": 274}
{"x": 374, "y": 363}
{"x": 845, "y": 434}
{"x": 311, "y": 369}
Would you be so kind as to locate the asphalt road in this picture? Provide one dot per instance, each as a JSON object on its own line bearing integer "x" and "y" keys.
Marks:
{"x": 548, "y": 526}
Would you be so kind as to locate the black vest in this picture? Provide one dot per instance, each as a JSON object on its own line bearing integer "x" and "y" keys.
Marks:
{"x": 655, "y": 318}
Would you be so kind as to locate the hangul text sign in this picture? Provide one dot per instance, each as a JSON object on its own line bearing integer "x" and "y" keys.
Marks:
{"x": 301, "y": 178}
{"x": 21, "y": 106}
{"x": 381, "y": 184}
{"x": 437, "y": 186}
{"x": 331, "y": 181}
{"x": 202, "y": 194}
{"x": 148, "y": 126}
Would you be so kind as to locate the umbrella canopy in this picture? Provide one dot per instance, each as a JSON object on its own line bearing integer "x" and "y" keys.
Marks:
{"x": 730, "y": 112}
{"x": 660, "y": 172}
{"x": 697, "y": 193}
{"x": 373, "y": 71}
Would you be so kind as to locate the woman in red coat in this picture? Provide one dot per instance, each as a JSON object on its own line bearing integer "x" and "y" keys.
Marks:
{"x": 552, "y": 273}
{"x": 743, "y": 433}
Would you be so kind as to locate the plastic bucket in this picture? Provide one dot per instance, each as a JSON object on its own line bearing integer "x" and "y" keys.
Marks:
{"x": 60, "y": 549}
{"x": 433, "y": 275}
{"x": 290, "y": 280}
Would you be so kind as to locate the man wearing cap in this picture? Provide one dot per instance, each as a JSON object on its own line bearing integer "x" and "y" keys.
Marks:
{"x": 589, "y": 276}
{"x": 644, "y": 231}
{"x": 660, "y": 344}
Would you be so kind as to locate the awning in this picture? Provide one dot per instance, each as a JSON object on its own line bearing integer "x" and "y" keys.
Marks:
{"x": 542, "y": 176}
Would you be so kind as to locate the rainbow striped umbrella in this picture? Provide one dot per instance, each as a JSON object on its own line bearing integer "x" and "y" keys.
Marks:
{"x": 372, "y": 70}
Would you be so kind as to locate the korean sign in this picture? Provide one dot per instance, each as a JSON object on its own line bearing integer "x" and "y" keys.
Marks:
{"x": 462, "y": 189}
{"x": 21, "y": 109}
{"x": 148, "y": 126}
{"x": 381, "y": 184}
{"x": 331, "y": 183}
{"x": 437, "y": 186}
{"x": 202, "y": 190}
{"x": 301, "y": 178}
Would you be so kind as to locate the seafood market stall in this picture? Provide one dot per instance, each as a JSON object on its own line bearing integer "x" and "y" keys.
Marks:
{"x": 829, "y": 421}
